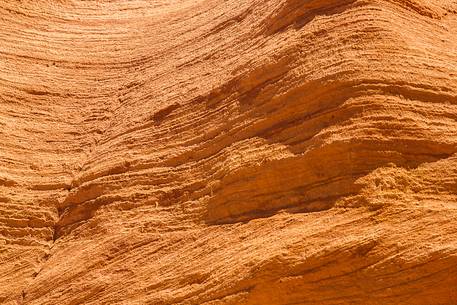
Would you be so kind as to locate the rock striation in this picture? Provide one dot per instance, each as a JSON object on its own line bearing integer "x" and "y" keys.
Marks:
{"x": 228, "y": 152}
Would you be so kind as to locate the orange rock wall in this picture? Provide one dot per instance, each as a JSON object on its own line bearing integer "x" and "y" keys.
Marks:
{"x": 228, "y": 152}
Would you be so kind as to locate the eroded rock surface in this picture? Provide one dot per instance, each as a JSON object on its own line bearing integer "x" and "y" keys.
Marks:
{"x": 228, "y": 152}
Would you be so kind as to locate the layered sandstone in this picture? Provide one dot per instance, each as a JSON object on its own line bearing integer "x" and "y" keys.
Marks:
{"x": 228, "y": 152}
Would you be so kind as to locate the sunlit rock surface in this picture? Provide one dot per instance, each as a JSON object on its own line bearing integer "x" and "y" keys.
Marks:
{"x": 228, "y": 152}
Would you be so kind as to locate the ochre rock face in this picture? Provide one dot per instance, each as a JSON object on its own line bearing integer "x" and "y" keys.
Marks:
{"x": 228, "y": 152}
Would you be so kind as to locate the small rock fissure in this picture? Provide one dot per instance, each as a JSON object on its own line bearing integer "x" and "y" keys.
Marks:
{"x": 55, "y": 234}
